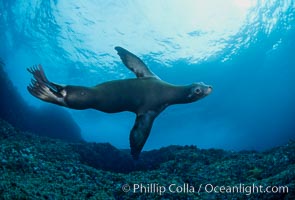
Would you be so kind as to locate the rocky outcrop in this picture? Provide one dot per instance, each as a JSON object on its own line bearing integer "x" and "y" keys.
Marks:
{"x": 35, "y": 167}
{"x": 48, "y": 120}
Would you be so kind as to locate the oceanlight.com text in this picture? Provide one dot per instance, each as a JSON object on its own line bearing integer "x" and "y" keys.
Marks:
{"x": 156, "y": 188}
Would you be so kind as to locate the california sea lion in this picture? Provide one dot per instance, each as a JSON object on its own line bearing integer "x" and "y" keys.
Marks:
{"x": 147, "y": 96}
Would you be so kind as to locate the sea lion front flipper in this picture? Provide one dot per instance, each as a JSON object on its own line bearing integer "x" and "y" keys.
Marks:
{"x": 134, "y": 63}
{"x": 140, "y": 132}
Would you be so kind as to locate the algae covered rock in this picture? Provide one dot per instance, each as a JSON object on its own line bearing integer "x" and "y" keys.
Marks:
{"x": 35, "y": 167}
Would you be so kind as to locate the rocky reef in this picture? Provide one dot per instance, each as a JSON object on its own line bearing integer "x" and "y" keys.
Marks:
{"x": 37, "y": 167}
{"x": 59, "y": 123}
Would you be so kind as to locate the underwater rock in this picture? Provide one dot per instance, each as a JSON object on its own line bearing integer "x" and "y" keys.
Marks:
{"x": 35, "y": 167}
{"x": 48, "y": 121}
{"x": 104, "y": 156}
{"x": 54, "y": 122}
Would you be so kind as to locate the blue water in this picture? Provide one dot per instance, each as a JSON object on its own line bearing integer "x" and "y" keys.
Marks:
{"x": 244, "y": 49}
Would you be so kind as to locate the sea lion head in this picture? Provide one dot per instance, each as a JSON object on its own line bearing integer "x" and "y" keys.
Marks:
{"x": 198, "y": 91}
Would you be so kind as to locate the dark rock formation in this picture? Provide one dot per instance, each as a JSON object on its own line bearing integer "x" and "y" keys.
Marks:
{"x": 35, "y": 167}
{"x": 49, "y": 120}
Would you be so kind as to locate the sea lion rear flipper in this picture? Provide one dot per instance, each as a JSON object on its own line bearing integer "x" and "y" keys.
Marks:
{"x": 140, "y": 132}
{"x": 43, "y": 89}
{"x": 134, "y": 63}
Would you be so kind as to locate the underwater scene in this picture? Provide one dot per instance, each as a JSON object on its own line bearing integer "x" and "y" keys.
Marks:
{"x": 147, "y": 99}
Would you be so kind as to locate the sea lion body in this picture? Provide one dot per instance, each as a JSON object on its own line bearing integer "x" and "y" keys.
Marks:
{"x": 134, "y": 95}
{"x": 146, "y": 96}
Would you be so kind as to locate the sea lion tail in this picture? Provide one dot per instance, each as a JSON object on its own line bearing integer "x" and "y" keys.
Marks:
{"x": 43, "y": 89}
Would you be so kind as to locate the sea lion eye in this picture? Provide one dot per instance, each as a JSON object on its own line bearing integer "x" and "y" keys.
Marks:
{"x": 198, "y": 91}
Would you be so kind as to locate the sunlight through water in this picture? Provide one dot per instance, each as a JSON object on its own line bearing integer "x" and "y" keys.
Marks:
{"x": 191, "y": 30}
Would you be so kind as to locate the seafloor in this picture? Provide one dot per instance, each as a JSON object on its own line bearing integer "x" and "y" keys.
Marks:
{"x": 35, "y": 167}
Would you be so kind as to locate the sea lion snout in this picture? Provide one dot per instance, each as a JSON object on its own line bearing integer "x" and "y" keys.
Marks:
{"x": 199, "y": 91}
{"x": 209, "y": 90}
{"x": 201, "y": 86}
